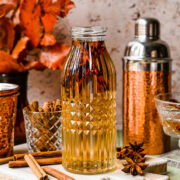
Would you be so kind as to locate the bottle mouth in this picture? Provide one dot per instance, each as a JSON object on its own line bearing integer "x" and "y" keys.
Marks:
{"x": 92, "y": 33}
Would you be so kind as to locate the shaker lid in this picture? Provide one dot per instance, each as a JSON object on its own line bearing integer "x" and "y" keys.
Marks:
{"x": 8, "y": 89}
{"x": 148, "y": 27}
{"x": 147, "y": 44}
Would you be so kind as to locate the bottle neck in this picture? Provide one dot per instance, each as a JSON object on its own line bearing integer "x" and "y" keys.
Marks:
{"x": 92, "y": 44}
{"x": 89, "y": 34}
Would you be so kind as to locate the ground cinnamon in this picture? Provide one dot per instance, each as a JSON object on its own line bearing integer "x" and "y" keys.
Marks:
{"x": 38, "y": 171}
{"x": 57, "y": 174}
{"x": 42, "y": 162}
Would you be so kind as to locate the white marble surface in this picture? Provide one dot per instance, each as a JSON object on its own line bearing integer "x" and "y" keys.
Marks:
{"x": 26, "y": 173}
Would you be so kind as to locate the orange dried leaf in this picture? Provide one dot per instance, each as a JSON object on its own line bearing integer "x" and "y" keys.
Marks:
{"x": 20, "y": 46}
{"x": 8, "y": 64}
{"x": 7, "y": 34}
{"x": 48, "y": 40}
{"x": 66, "y": 7}
{"x": 33, "y": 65}
{"x": 48, "y": 20}
{"x": 30, "y": 13}
{"x": 16, "y": 19}
{"x": 5, "y": 8}
{"x": 53, "y": 57}
{"x": 58, "y": 7}
{"x": 13, "y": 2}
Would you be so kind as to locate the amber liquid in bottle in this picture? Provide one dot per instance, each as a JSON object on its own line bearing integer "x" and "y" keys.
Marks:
{"x": 89, "y": 109}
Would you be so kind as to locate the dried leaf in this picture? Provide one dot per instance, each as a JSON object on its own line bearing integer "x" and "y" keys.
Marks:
{"x": 54, "y": 56}
{"x": 48, "y": 40}
{"x": 33, "y": 65}
{"x": 20, "y": 46}
{"x": 66, "y": 7}
{"x": 16, "y": 19}
{"x": 48, "y": 20}
{"x": 58, "y": 7}
{"x": 6, "y": 34}
{"x": 5, "y": 8}
{"x": 8, "y": 64}
{"x": 30, "y": 13}
{"x": 13, "y": 2}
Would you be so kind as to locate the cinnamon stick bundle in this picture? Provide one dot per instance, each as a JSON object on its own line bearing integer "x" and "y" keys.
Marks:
{"x": 45, "y": 124}
{"x": 43, "y": 155}
{"x": 42, "y": 162}
{"x": 38, "y": 171}
{"x": 57, "y": 174}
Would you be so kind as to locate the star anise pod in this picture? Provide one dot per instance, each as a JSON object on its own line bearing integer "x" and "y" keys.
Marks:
{"x": 137, "y": 150}
{"x": 134, "y": 151}
{"x": 122, "y": 152}
{"x": 137, "y": 147}
{"x": 135, "y": 155}
{"x": 135, "y": 167}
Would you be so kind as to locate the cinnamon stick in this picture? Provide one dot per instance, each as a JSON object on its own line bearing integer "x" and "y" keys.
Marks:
{"x": 43, "y": 121}
{"x": 38, "y": 171}
{"x": 40, "y": 154}
{"x": 47, "y": 154}
{"x": 6, "y": 160}
{"x": 57, "y": 174}
{"x": 42, "y": 162}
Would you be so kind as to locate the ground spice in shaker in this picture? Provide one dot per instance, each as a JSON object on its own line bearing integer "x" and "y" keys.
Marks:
{"x": 146, "y": 73}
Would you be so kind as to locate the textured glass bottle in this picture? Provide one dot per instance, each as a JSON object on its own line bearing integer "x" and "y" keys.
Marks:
{"x": 88, "y": 104}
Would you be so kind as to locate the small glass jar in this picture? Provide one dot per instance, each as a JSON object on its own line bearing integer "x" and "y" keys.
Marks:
{"x": 88, "y": 104}
{"x": 43, "y": 130}
{"x": 8, "y": 108}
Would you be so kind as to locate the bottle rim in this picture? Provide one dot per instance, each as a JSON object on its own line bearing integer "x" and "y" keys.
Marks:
{"x": 8, "y": 89}
{"x": 89, "y": 33}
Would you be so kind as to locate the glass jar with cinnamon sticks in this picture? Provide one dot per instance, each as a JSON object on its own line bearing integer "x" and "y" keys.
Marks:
{"x": 43, "y": 126}
{"x": 8, "y": 108}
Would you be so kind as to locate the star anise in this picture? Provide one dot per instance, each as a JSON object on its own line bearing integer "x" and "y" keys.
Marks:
{"x": 137, "y": 149}
{"x": 134, "y": 167}
{"x": 134, "y": 151}
{"x": 122, "y": 152}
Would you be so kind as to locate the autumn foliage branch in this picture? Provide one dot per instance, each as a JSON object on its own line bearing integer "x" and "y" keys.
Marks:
{"x": 27, "y": 25}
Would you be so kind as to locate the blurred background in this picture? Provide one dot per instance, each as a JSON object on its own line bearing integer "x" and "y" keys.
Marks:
{"x": 119, "y": 17}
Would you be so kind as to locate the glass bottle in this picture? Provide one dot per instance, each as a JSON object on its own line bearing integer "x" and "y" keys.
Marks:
{"x": 88, "y": 104}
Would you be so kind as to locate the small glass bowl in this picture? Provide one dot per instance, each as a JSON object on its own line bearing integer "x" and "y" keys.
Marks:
{"x": 168, "y": 106}
{"x": 43, "y": 130}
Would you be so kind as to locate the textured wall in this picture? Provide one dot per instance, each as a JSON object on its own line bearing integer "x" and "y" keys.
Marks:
{"x": 118, "y": 16}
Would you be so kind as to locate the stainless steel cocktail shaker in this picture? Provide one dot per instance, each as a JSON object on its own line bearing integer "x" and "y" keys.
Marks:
{"x": 146, "y": 72}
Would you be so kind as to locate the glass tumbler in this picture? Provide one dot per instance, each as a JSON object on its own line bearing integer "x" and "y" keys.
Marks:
{"x": 43, "y": 130}
{"x": 8, "y": 108}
